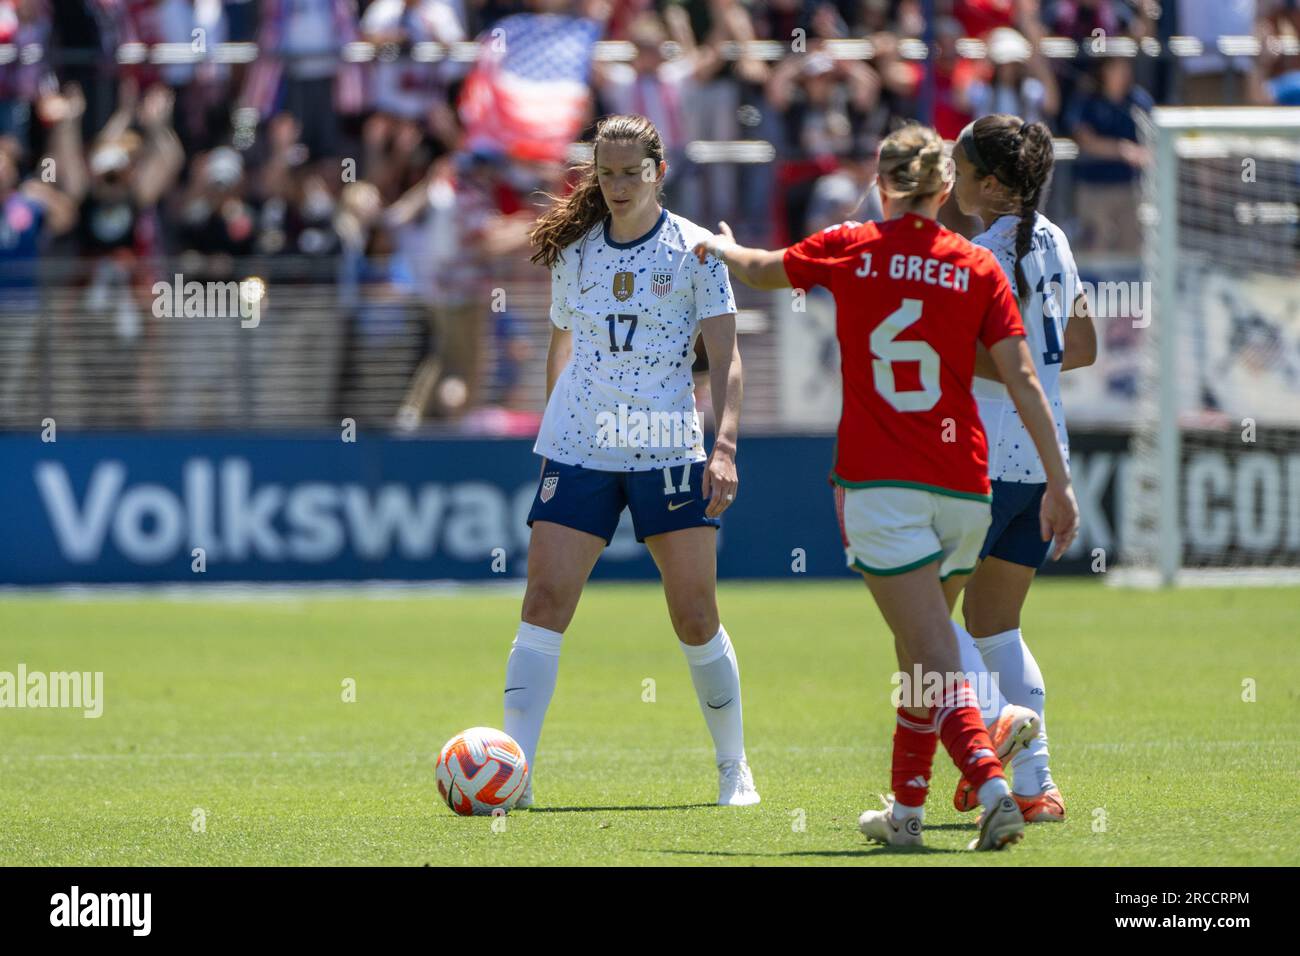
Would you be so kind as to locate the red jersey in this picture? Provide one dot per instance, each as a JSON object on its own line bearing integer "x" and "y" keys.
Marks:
{"x": 911, "y": 300}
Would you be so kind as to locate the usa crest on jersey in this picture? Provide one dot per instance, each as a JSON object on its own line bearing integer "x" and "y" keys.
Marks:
{"x": 661, "y": 283}
{"x": 549, "y": 484}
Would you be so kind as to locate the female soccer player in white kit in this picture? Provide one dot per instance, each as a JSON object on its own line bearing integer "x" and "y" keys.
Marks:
{"x": 628, "y": 299}
{"x": 1003, "y": 165}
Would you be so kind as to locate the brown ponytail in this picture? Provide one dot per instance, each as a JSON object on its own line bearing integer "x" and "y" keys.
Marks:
{"x": 1020, "y": 155}
{"x": 572, "y": 216}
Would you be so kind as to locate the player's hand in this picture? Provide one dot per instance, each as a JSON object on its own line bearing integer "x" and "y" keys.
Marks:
{"x": 1059, "y": 517}
{"x": 1135, "y": 154}
{"x": 720, "y": 482}
{"x": 155, "y": 109}
{"x": 715, "y": 243}
{"x": 61, "y": 107}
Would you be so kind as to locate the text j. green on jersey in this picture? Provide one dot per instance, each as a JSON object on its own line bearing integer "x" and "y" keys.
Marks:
{"x": 634, "y": 309}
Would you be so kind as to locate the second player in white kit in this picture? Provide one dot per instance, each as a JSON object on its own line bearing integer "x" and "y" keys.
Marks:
{"x": 621, "y": 433}
{"x": 1003, "y": 165}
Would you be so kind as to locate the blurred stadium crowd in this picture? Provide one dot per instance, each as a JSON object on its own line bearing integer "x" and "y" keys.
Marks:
{"x": 365, "y": 187}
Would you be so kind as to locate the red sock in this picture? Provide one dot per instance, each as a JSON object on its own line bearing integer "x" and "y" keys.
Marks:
{"x": 914, "y": 743}
{"x": 961, "y": 728}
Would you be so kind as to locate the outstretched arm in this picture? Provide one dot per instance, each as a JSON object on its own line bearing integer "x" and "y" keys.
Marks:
{"x": 163, "y": 157}
{"x": 63, "y": 111}
{"x": 758, "y": 268}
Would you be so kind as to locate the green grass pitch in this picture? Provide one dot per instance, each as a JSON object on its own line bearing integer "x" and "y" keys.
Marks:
{"x": 231, "y": 712}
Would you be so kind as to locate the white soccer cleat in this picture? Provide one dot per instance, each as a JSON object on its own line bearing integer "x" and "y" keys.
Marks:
{"x": 1013, "y": 731}
{"x": 1001, "y": 825}
{"x": 736, "y": 784}
{"x": 880, "y": 825}
{"x": 525, "y": 801}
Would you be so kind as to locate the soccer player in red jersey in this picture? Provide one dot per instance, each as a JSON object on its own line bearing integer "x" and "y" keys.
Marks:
{"x": 913, "y": 302}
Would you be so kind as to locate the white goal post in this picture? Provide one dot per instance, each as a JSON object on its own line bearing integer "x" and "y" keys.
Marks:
{"x": 1214, "y": 483}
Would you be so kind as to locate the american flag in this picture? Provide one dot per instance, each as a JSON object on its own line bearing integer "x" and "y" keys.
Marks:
{"x": 528, "y": 93}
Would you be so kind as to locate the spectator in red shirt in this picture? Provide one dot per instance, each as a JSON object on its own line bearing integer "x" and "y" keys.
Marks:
{"x": 955, "y": 78}
{"x": 978, "y": 17}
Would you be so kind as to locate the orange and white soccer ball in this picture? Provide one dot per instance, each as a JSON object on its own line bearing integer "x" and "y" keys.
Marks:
{"x": 480, "y": 771}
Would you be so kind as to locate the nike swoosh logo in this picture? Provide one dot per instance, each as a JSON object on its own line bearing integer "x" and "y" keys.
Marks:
{"x": 673, "y": 506}
{"x": 509, "y": 689}
{"x": 588, "y": 289}
{"x": 720, "y": 706}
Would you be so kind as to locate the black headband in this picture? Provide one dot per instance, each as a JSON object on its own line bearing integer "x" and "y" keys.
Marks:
{"x": 966, "y": 139}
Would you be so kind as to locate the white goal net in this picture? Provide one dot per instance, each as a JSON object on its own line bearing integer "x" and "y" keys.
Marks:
{"x": 1215, "y": 456}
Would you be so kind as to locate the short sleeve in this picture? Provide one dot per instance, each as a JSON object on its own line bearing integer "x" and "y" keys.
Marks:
{"x": 808, "y": 262}
{"x": 1285, "y": 89}
{"x": 559, "y": 293}
{"x": 1002, "y": 319}
{"x": 713, "y": 292}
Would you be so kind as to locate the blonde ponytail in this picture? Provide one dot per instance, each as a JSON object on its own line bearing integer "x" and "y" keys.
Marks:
{"x": 912, "y": 164}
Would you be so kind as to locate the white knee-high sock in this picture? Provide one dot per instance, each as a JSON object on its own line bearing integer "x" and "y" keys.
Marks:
{"x": 1021, "y": 681}
{"x": 981, "y": 676}
{"x": 716, "y": 677}
{"x": 530, "y": 681}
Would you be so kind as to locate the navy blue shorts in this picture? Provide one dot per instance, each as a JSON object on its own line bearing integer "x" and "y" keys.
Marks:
{"x": 1014, "y": 532}
{"x": 663, "y": 500}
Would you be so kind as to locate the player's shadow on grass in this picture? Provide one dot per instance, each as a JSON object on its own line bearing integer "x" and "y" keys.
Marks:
{"x": 675, "y": 806}
{"x": 864, "y": 851}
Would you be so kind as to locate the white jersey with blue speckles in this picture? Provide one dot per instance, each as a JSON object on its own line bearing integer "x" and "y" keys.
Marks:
{"x": 625, "y": 401}
{"x": 1049, "y": 265}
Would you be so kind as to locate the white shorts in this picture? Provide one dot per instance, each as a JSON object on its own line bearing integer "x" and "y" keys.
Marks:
{"x": 889, "y": 530}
